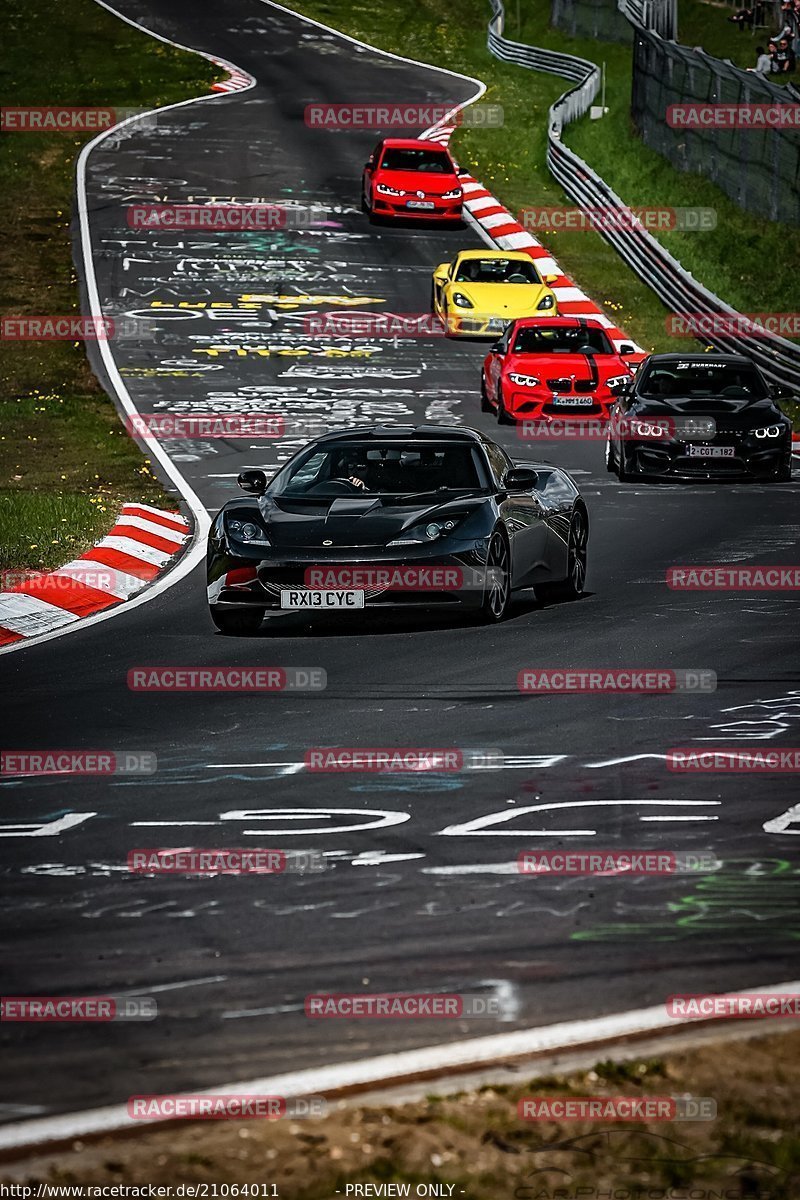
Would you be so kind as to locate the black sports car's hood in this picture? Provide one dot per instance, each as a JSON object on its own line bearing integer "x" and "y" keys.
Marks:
{"x": 352, "y": 520}
{"x": 735, "y": 413}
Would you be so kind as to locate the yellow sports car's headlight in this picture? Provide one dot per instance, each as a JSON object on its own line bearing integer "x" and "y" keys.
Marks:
{"x": 546, "y": 302}
{"x": 462, "y": 301}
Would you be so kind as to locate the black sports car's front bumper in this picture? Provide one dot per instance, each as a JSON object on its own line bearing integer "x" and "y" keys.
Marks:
{"x": 411, "y": 577}
{"x": 749, "y": 459}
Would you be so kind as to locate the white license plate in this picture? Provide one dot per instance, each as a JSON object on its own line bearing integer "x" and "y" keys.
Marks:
{"x": 710, "y": 451}
{"x": 574, "y": 402}
{"x": 321, "y": 600}
{"x": 427, "y": 204}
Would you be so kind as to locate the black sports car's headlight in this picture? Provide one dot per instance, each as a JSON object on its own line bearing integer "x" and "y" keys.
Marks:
{"x": 247, "y": 532}
{"x": 649, "y": 429}
{"x": 429, "y": 532}
{"x": 768, "y": 431}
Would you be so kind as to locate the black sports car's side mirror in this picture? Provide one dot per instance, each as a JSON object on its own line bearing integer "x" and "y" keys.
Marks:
{"x": 520, "y": 479}
{"x": 253, "y": 482}
{"x": 779, "y": 392}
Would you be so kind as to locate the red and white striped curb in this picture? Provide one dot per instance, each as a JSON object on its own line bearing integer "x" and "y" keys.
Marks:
{"x": 487, "y": 211}
{"x": 134, "y": 552}
{"x": 237, "y": 81}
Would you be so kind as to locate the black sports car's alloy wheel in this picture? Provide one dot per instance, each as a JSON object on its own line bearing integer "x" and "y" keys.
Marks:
{"x": 497, "y": 591}
{"x": 571, "y": 588}
{"x": 234, "y": 621}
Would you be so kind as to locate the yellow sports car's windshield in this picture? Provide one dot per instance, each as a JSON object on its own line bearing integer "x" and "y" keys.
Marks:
{"x": 496, "y": 270}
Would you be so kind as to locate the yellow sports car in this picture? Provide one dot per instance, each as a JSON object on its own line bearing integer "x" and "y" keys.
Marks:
{"x": 478, "y": 293}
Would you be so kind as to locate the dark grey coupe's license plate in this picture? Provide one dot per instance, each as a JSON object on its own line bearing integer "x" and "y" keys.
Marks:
{"x": 709, "y": 451}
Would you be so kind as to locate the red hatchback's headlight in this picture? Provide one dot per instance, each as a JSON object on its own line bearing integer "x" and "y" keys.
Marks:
{"x": 385, "y": 190}
{"x": 454, "y": 194}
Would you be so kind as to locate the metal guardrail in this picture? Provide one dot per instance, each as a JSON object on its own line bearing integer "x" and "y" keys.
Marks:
{"x": 676, "y": 287}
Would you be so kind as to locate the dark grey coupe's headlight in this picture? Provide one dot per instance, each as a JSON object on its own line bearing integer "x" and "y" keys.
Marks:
{"x": 427, "y": 532}
{"x": 247, "y": 531}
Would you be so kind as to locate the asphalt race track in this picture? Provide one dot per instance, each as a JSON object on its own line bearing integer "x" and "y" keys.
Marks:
{"x": 421, "y": 891}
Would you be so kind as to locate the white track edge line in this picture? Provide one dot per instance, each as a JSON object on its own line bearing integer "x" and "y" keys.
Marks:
{"x": 384, "y": 1068}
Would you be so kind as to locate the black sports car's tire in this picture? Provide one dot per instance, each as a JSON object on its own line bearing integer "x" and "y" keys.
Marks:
{"x": 784, "y": 474}
{"x": 611, "y": 465}
{"x": 623, "y": 475}
{"x": 571, "y": 587}
{"x": 502, "y": 415}
{"x": 237, "y": 621}
{"x": 497, "y": 591}
{"x": 485, "y": 405}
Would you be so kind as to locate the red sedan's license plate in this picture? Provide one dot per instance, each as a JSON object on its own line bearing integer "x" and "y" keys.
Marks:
{"x": 574, "y": 401}
{"x": 427, "y": 204}
{"x": 710, "y": 451}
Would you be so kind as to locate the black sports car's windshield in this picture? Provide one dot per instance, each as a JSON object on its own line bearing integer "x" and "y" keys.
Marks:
{"x": 396, "y": 158}
{"x": 496, "y": 270}
{"x": 695, "y": 379}
{"x": 372, "y": 468}
{"x": 563, "y": 339}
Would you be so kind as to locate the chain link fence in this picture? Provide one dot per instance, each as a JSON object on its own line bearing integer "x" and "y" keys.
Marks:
{"x": 614, "y": 20}
{"x": 758, "y": 168}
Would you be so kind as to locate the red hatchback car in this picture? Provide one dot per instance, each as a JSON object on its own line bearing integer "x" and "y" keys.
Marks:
{"x": 546, "y": 367}
{"x": 407, "y": 177}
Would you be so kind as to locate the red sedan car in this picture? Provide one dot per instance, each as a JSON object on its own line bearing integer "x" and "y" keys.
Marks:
{"x": 545, "y": 367}
{"x": 407, "y": 177}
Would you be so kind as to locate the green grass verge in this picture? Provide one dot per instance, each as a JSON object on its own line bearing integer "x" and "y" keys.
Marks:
{"x": 511, "y": 160}
{"x": 65, "y": 460}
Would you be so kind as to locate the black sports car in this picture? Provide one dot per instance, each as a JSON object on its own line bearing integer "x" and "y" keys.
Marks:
{"x": 391, "y": 517}
{"x": 700, "y": 416}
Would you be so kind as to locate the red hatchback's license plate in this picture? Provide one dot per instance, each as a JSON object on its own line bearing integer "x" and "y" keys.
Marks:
{"x": 427, "y": 204}
{"x": 709, "y": 451}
